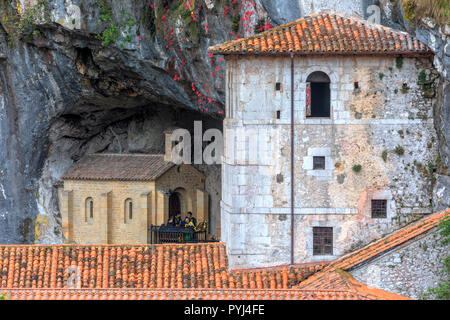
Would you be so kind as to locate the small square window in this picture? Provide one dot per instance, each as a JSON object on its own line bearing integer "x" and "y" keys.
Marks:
{"x": 318, "y": 163}
{"x": 322, "y": 241}
{"x": 379, "y": 208}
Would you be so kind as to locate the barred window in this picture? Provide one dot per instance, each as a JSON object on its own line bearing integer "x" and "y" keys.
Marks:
{"x": 379, "y": 208}
{"x": 322, "y": 240}
{"x": 318, "y": 163}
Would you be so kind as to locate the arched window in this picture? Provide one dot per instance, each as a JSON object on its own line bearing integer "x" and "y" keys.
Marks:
{"x": 128, "y": 210}
{"x": 318, "y": 95}
{"x": 89, "y": 209}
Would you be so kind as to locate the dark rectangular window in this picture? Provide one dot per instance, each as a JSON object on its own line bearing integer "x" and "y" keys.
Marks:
{"x": 318, "y": 163}
{"x": 278, "y": 114}
{"x": 91, "y": 209}
{"x": 379, "y": 208}
{"x": 130, "y": 209}
{"x": 278, "y": 86}
{"x": 322, "y": 241}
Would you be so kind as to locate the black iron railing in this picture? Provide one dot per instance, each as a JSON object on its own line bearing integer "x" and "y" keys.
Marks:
{"x": 164, "y": 234}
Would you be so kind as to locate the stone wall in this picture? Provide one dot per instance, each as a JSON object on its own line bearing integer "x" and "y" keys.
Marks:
{"x": 387, "y": 111}
{"x": 409, "y": 270}
{"x": 190, "y": 185}
{"x": 109, "y": 224}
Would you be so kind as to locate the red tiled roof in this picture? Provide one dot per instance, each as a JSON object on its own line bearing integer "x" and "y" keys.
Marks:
{"x": 125, "y": 167}
{"x": 184, "y": 294}
{"x": 375, "y": 249}
{"x": 326, "y": 33}
{"x": 341, "y": 280}
{"x": 139, "y": 266}
{"x": 281, "y": 277}
{"x": 185, "y": 271}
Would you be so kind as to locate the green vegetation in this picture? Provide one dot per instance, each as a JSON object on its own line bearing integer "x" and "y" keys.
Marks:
{"x": 4, "y": 296}
{"x": 427, "y": 83}
{"x": 431, "y": 167}
{"x": 399, "y": 150}
{"x": 357, "y": 167}
{"x": 384, "y": 155}
{"x": 405, "y": 88}
{"x": 112, "y": 32}
{"x": 381, "y": 75}
{"x": 442, "y": 291}
{"x": 409, "y": 10}
{"x": 236, "y": 21}
{"x": 439, "y": 10}
{"x": 19, "y": 22}
{"x": 422, "y": 78}
{"x": 399, "y": 62}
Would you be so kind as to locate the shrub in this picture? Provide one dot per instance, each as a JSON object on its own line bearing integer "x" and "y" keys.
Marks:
{"x": 439, "y": 10}
{"x": 399, "y": 150}
{"x": 442, "y": 291}
{"x": 357, "y": 167}
{"x": 384, "y": 155}
{"x": 399, "y": 62}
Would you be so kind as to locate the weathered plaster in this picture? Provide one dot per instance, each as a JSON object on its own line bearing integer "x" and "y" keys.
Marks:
{"x": 377, "y": 116}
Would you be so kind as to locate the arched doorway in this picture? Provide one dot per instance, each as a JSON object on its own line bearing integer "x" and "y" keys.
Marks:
{"x": 174, "y": 204}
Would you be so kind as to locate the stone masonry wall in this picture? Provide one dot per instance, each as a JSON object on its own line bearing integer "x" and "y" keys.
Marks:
{"x": 150, "y": 206}
{"x": 387, "y": 110}
{"x": 121, "y": 229}
{"x": 409, "y": 270}
{"x": 188, "y": 182}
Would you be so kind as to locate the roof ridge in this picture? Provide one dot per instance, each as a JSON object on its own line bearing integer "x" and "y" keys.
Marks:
{"x": 119, "y": 166}
{"x": 296, "y": 265}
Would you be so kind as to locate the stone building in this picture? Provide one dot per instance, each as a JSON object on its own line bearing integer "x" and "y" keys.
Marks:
{"x": 408, "y": 262}
{"x": 115, "y": 198}
{"x": 329, "y": 139}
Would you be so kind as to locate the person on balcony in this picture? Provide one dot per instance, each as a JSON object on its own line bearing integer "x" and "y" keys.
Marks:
{"x": 188, "y": 225}
{"x": 171, "y": 222}
{"x": 192, "y": 219}
{"x": 177, "y": 220}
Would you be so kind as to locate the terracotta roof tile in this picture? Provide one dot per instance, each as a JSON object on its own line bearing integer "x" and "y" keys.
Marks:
{"x": 185, "y": 271}
{"x": 138, "y": 266}
{"x": 126, "y": 167}
{"x": 374, "y": 249}
{"x": 326, "y": 33}
{"x": 342, "y": 281}
{"x": 184, "y": 294}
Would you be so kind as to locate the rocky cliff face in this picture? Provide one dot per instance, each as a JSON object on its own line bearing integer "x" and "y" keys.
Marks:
{"x": 82, "y": 76}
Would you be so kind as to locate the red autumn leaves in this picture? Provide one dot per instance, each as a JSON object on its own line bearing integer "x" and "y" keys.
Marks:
{"x": 174, "y": 42}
